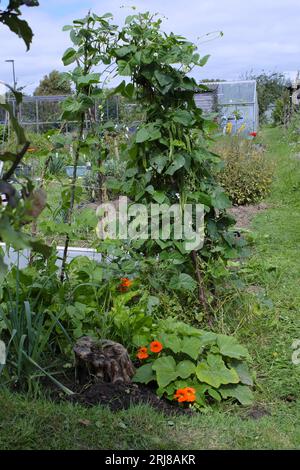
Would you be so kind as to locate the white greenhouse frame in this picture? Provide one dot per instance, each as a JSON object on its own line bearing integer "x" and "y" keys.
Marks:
{"x": 232, "y": 98}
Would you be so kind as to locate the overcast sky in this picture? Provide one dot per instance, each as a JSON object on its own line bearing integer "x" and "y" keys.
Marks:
{"x": 258, "y": 34}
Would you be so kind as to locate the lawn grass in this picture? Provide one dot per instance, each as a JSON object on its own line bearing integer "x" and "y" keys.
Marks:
{"x": 268, "y": 332}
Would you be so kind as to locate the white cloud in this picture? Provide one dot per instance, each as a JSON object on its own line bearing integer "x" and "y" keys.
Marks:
{"x": 261, "y": 34}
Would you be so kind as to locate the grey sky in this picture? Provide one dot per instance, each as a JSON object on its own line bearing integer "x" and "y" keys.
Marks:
{"x": 258, "y": 34}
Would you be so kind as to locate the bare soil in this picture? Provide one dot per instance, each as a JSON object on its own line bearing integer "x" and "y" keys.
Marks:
{"x": 116, "y": 396}
{"x": 245, "y": 214}
{"x": 120, "y": 396}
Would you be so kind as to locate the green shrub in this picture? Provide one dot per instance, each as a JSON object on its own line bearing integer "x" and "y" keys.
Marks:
{"x": 247, "y": 174}
{"x": 3, "y": 133}
{"x": 293, "y": 130}
{"x": 211, "y": 366}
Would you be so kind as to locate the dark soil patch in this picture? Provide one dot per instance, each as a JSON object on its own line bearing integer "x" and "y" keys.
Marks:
{"x": 118, "y": 396}
{"x": 289, "y": 398}
{"x": 245, "y": 214}
{"x": 121, "y": 396}
{"x": 257, "y": 412}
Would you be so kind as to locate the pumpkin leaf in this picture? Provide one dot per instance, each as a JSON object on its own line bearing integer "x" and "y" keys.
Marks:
{"x": 214, "y": 372}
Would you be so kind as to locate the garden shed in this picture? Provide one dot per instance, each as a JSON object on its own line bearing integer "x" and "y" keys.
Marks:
{"x": 234, "y": 101}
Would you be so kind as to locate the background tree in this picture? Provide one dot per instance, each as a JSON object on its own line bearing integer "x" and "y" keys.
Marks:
{"x": 270, "y": 87}
{"x": 283, "y": 109}
{"x": 53, "y": 84}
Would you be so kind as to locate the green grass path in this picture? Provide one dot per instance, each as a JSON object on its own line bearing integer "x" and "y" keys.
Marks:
{"x": 269, "y": 333}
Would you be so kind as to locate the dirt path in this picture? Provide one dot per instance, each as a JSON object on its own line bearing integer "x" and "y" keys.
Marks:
{"x": 245, "y": 214}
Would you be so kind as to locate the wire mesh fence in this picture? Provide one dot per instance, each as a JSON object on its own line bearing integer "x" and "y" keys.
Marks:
{"x": 41, "y": 113}
{"x": 233, "y": 102}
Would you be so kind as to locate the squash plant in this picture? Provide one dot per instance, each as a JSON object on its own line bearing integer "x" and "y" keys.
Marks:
{"x": 213, "y": 365}
{"x": 168, "y": 160}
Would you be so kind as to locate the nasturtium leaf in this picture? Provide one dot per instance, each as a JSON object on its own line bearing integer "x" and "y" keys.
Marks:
{"x": 191, "y": 346}
{"x": 185, "y": 369}
{"x": 178, "y": 327}
{"x": 200, "y": 391}
{"x": 214, "y": 372}
{"x": 214, "y": 394}
{"x": 241, "y": 392}
{"x": 171, "y": 388}
{"x": 170, "y": 341}
{"x": 243, "y": 372}
{"x": 140, "y": 340}
{"x": 230, "y": 347}
{"x": 144, "y": 374}
{"x": 208, "y": 338}
{"x": 165, "y": 368}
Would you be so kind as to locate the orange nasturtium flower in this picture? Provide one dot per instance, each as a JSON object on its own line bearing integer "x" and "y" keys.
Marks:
{"x": 185, "y": 394}
{"x": 156, "y": 346}
{"x": 190, "y": 393}
{"x": 125, "y": 284}
{"x": 142, "y": 353}
{"x": 180, "y": 395}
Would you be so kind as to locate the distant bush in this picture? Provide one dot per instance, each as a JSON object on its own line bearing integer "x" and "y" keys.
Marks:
{"x": 3, "y": 133}
{"x": 293, "y": 130}
{"x": 247, "y": 173}
{"x": 270, "y": 86}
